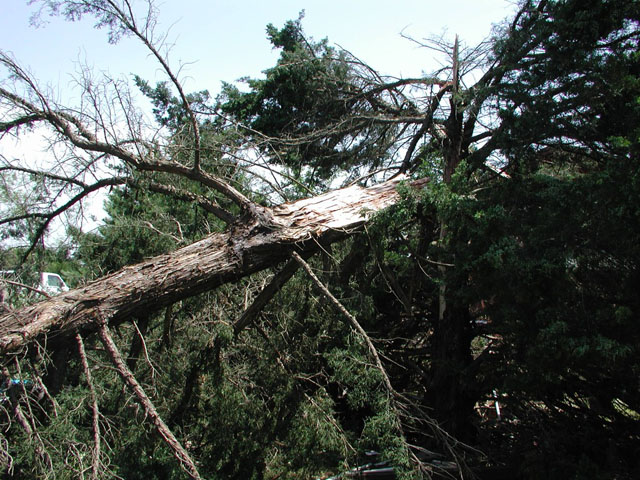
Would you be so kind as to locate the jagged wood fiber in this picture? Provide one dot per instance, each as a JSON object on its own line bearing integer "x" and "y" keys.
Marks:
{"x": 202, "y": 266}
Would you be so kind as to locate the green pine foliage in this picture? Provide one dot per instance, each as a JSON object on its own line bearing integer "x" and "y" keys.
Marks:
{"x": 307, "y": 108}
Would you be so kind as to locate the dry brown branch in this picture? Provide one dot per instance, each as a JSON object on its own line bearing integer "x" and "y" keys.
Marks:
{"x": 95, "y": 461}
{"x": 45, "y": 392}
{"x": 186, "y": 462}
{"x": 92, "y": 133}
{"x": 267, "y": 293}
{"x": 48, "y": 217}
{"x": 186, "y": 196}
{"x": 391, "y": 392}
{"x": 75, "y": 131}
{"x": 25, "y": 286}
{"x": 352, "y": 320}
{"x": 138, "y": 344}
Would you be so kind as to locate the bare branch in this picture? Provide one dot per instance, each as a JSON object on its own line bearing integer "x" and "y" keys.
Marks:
{"x": 267, "y": 293}
{"x": 93, "y": 397}
{"x": 186, "y": 462}
{"x": 50, "y": 176}
{"x": 23, "y": 285}
{"x": 186, "y": 196}
{"x": 121, "y": 20}
{"x": 49, "y": 216}
{"x": 425, "y": 127}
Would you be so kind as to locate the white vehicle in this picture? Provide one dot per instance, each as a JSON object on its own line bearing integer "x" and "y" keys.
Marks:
{"x": 49, "y": 283}
{"x": 52, "y": 283}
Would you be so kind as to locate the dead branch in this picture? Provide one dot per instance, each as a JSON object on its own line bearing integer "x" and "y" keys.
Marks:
{"x": 391, "y": 392}
{"x": 186, "y": 196}
{"x": 80, "y": 136}
{"x": 48, "y": 217}
{"x": 95, "y": 462}
{"x": 352, "y": 320}
{"x": 186, "y": 462}
{"x": 25, "y": 286}
{"x": 267, "y": 293}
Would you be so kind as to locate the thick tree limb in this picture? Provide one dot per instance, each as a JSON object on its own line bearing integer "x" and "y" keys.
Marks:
{"x": 217, "y": 259}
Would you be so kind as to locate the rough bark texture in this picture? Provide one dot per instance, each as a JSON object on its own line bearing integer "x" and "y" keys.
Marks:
{"x": 217, "y": 259}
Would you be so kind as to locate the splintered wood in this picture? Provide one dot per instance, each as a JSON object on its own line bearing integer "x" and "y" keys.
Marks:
{"x": 202, "y": 266}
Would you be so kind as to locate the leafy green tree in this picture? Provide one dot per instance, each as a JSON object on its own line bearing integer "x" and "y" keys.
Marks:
{"x": 319, "y": 111}
{"x": 552, "y": 251}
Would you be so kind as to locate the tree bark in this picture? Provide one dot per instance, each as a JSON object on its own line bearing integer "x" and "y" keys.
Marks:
{"x": 450, "y": 392}
{"x": 202, "y": 266}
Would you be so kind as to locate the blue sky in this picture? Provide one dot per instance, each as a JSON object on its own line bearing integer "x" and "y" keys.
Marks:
{"x": 224, "y": 40}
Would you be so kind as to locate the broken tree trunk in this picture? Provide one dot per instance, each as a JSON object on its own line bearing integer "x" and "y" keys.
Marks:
{"x": 202, "y": 266}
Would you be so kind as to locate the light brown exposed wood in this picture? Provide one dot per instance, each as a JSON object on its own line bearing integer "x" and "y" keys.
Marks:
{"x": 199, "y": 267}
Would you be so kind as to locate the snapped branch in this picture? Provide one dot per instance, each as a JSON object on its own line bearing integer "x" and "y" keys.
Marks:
{"x": 186, "y": 462}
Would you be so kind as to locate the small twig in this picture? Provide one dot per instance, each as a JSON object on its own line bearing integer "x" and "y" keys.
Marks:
{"x": 150, "y": 226}
{"x": 143, "y": 345}
{"x": 28, "y": 287}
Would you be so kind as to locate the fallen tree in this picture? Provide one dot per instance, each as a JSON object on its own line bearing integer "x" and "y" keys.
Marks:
{"x": 204, "y": 158}
{"x": 244, "y": 249}
{"x": 500, "y": 261}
